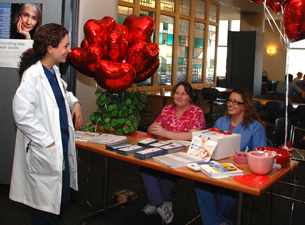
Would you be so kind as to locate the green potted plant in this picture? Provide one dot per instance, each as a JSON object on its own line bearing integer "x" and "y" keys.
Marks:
{"x": 117, "y": 111}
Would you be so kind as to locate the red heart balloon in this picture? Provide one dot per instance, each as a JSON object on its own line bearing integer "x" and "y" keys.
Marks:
{"x": 140, "y": 29}
{"x": 96, "y": 31}
{"x": 148, "y": 72}
{"x": 117, "y": 44}
{"x": 257, "y": 1}
{"x": 141, "y": 53}
{"x": 128, "y": 20}
{"x": 113, "y": 76}
{"x": 294, "y": 20}
{"x": 84, "y": 43}
{"x": 276, "y": 5}
{"x": 84, "y": 59}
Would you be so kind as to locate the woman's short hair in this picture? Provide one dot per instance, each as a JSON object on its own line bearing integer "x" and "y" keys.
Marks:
{"x": 187, "y": 87}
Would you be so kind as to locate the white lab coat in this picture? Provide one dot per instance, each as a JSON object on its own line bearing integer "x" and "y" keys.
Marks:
{"x": 37, "y": 172}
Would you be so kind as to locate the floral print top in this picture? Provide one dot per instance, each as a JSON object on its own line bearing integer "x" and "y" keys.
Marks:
{"x": 192, "y": 118}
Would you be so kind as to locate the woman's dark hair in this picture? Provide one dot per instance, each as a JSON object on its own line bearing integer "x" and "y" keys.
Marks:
{"x": 37, "y": 8}
{"x": 187, "y": 87}
{"x": 250, "y": 113}
{"x": 48, "y": 35}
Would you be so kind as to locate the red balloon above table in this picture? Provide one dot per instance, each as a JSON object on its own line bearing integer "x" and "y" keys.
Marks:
{"x": 117, "y": 55}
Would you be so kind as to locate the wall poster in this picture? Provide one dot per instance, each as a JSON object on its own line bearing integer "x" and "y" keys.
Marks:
{"x": 18, "y": 24}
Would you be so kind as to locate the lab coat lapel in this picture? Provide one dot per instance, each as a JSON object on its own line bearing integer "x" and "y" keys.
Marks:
{"x": 46, "y": 84}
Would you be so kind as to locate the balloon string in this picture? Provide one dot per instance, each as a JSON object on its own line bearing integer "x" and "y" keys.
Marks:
{"x": 267, "y": 10}
{"x": 287, "y": 92}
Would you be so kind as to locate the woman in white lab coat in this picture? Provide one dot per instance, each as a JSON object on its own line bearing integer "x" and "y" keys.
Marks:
{"x": 45, "y": 164}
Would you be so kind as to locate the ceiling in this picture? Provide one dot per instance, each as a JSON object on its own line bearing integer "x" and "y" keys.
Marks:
{"x": 230, "y": 9}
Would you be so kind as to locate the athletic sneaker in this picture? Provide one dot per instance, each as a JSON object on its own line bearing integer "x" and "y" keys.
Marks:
{"x": 150, "y": 210}
{"x": 166, "y": 212}
{"x": 169, "y": 205}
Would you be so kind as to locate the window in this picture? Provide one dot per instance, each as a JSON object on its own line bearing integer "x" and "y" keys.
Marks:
{"x": 296, "y": 57}
{"x": 224, "y": 27}
{"x": 187, "y": 44}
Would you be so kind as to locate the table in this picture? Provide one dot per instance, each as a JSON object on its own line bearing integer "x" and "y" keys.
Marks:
{"x": 220, "y": 89}
{"x": 263, "y": 102}
{"x": 187, "y": 173}
{"x": 168, "y": 94}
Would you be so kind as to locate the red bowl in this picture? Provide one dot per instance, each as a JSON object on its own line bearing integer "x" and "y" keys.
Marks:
{"x": 281, "y": 159}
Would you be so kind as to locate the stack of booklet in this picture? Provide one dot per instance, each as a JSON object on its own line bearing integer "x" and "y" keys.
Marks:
{"x": 84, "y": 136}
{"x": 220, "y": 170}
{"x": 129, "y": 150}
{"x": 107, "y": 139}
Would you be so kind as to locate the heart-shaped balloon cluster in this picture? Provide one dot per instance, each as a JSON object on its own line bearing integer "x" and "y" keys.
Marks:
{"x": 117, "y": 55}
{"x": 293, "y": 16}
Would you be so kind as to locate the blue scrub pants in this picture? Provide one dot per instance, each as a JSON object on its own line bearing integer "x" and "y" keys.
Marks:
{"x": 158, "y": 185}
{"x": 215, "y": 203}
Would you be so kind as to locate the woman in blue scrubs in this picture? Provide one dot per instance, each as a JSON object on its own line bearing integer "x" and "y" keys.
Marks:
{"x": 216, "y": 203}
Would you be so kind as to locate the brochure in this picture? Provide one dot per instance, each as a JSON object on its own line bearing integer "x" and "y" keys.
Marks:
{"x": 220, "y": 170}
{"x": 202, "y": 148}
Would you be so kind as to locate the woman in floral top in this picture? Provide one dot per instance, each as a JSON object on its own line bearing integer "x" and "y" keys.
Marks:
{"x": 176, "y": 121}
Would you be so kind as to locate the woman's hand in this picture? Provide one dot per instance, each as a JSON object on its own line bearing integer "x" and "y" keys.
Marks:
{"x": 158, "y": 130}
{"x": 77, "y": 115}
{"x": 20, "y": 31}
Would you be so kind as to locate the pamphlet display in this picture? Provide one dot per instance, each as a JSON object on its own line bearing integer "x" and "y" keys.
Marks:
{"x": 226, "y": 142}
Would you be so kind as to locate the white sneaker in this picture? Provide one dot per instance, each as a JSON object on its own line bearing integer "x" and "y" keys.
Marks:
{"x": 150, "y": 210}
{"x": 169, "y": 205}
{"x": 166, "y": 213}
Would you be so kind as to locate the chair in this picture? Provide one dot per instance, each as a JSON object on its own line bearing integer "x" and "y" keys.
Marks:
{"x": 297, "y": 100}
{"x": 300, "y": 111}
{"x": 277, "y": 109}
{"x": 279, "y": 132}
{"x": 212, "y": 95}
{"x": 271, "y": 86}
{"x": 258, "y": 105}
{"x": 279, "y": 95}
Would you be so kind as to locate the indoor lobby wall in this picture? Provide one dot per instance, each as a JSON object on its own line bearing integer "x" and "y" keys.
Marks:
{"x": 86, "y": 86}
{"x": 275, "y": 64}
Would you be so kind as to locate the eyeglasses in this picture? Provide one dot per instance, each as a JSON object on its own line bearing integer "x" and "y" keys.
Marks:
{"x": 234, "y": 102}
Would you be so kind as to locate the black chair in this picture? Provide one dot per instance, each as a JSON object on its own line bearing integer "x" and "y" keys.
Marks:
{"x": 271, "y": 86}
{"x": 258, "y": 105}
{"x": 279, "y": 132}
{"x": 272, "y": 97}
{"x": 279, "y": 95}
{"x": 300, "y": 112}
{"x": 297, "y": 100}
{"x": 276, "y": 110}
{"x": 212, "y": 96}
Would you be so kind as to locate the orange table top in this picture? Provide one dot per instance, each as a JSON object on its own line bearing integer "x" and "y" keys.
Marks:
{"x": 188, "y": 173}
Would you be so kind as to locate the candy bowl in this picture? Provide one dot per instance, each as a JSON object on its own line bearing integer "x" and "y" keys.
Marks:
{"x": 240, "y": 157}
{"x": 260, "y": 162}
